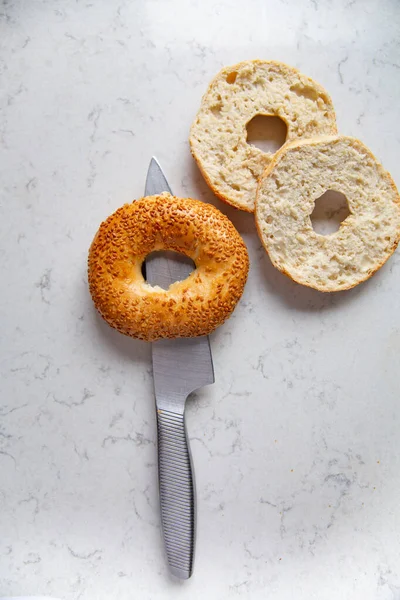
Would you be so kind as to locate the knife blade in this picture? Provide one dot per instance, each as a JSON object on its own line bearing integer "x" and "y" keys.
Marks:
{"x": 180, "y": 366}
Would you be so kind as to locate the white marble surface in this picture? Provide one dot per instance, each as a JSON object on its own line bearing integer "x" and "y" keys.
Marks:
{"x": 296, "y": 446}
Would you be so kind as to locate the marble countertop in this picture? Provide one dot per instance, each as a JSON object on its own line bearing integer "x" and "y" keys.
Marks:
{"x": 296, "y": 446}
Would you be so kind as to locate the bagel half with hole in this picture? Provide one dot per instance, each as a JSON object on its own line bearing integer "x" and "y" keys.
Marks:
{"x": 299, "y": 174}
{"x": 218, "y": 136}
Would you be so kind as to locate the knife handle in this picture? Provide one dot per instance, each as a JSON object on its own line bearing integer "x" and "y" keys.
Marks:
{"x": 177, "y": 494}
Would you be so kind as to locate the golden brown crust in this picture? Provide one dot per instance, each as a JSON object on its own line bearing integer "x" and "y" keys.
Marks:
{"x": 384, "y": 176}
{"x": 189, "y": 308}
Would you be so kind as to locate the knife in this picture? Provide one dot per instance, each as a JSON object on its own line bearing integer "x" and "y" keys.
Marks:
{"x": 180, "y": 366}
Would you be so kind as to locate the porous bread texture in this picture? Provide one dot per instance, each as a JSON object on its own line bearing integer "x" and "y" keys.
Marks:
{"x": 300, "y": 173}
{"x": 189, "y": 308}
{"x": 218, "y": 136}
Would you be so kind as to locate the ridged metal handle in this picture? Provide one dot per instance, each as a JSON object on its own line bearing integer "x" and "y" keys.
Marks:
{"x": 176, "y": 492}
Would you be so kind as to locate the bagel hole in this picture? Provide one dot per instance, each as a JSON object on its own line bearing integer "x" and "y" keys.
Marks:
{"x": 330, "y": 210}
{"x": 157, "y": 272}
{"x": 266, "y": 132}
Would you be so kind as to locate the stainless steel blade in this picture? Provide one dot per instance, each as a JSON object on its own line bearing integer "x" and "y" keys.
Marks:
{"x": 180, "y": 366}
{"x": 183, "y": 365}
{"x": 156, "y": 182}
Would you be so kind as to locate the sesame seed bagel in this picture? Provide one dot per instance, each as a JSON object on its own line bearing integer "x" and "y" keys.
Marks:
{"x": 189, "y": 308}
{"x": 300, "y": 173}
